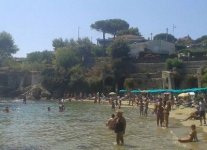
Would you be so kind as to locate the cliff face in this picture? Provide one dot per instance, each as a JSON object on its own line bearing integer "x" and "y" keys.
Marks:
{"x": 12, "y": 82}
{"x": 146, "y": 76}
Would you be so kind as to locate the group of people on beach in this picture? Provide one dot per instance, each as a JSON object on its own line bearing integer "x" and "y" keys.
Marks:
{"x": 162, "y": 108}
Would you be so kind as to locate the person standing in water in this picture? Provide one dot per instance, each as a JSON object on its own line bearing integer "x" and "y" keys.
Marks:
{"x": 166, "y": 113}
{"x": 111, "y": 122}
{"x": 141, "y": 107}
{"x": 159, "y": 112}
{"x": 113, "y": 105}
{"x": 120, "y": 127}
{"x": 24, "y": 99}
{"x": 146, "y": 107}
{"x": 202, "y": 112}
{"x": 48, "y": 108}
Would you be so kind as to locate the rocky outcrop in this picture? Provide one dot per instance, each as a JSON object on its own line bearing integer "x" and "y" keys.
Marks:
{"x": 37, "y": 92}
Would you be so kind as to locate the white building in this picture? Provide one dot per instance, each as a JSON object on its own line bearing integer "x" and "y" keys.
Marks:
{"x": 154, "y": 46}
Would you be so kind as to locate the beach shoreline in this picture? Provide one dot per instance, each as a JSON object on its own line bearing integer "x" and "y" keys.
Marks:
{"x": 182, "y": 113}
{"x": 178, "y": 113}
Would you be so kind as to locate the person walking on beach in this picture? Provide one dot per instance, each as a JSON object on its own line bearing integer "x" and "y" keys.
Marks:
{"x": 120, "y": 127}
{"x": 202, "y": 112}
{"x": 113, "y": 105}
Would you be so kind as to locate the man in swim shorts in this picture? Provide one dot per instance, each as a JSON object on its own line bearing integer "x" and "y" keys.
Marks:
{"x": 120, "y": 126}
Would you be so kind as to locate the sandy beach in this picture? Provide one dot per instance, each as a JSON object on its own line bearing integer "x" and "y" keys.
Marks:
{"x": 184, "y": 112}
{"x": 179, "y": 113}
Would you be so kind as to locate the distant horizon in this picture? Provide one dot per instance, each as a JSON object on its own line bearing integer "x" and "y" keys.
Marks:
{"x": 35, "y": 24}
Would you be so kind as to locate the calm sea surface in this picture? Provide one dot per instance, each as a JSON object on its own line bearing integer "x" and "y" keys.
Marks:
{"x": 82, "y": 127}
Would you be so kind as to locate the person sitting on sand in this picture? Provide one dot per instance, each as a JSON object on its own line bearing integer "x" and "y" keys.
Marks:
{"x": 191, "y": 137}
{"x": 111, "y": 122}
{"x": 194, "y": 115}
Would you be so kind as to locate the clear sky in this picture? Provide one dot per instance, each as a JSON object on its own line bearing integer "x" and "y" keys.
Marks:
{"x": 34, "y": 24}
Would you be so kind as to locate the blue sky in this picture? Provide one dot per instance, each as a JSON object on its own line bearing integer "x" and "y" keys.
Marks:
{"x": 35, "y": 23}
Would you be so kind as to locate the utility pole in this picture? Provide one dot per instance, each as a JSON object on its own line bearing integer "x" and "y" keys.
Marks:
{"x": 151, "y": 35}
{"x": 173, "y": 29}
{"x": 78, "y": 32}
{"x": 166, "y": 33}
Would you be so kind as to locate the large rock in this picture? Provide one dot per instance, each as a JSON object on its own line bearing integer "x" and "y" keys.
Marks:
{"x": 37, "y": 92}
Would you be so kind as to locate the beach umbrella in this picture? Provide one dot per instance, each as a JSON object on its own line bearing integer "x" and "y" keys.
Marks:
{"x": 183, "y": 95}
{"x": 156, "y": 91}
{"x": 135, "y": 91}
{"x": 175, "y": 91}
{"x": 122, "y": 91}
{"x": 191, "y": 93}
{"x": 112, "y": 93}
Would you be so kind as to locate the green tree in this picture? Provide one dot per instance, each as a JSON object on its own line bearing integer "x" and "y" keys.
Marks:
{"x": 121, "y": 64}
{"x": 59, "y": 43}
{"x": 204, "y": 77}
{"x": 201, "y": 39}
{"x": 84, "y": 49}
{"x": 173, "y": 63}
{"x": 129, "y": 83}
{"x": 101, "y": 26}
{"x": 7, "y": 46}
{"x": 130, "y": 31}
{"x": 45, "y": 57}
{"x": 53, "y": 79}
{"x": 110, "y": 26}
{"x": 66, "y": 57}
{"x": 119, "y": 49}
{"x": 117, "y": 25}
{"x": 165, "y": 37}
{"x": 183, "y": 43}
{"x": 77, "y": 80}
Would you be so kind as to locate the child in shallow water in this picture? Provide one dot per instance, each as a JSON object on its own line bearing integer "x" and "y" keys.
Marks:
{"x": 191, "y": 137}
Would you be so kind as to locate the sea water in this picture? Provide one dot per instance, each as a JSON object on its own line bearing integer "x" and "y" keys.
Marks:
{"x": 82, "y": 126}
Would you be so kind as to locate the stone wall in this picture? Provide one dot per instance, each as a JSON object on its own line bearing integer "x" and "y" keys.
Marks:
{"x": 153, "y": 75}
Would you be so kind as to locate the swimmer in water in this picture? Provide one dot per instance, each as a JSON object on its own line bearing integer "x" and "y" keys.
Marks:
{"x": 6, "y": 109}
